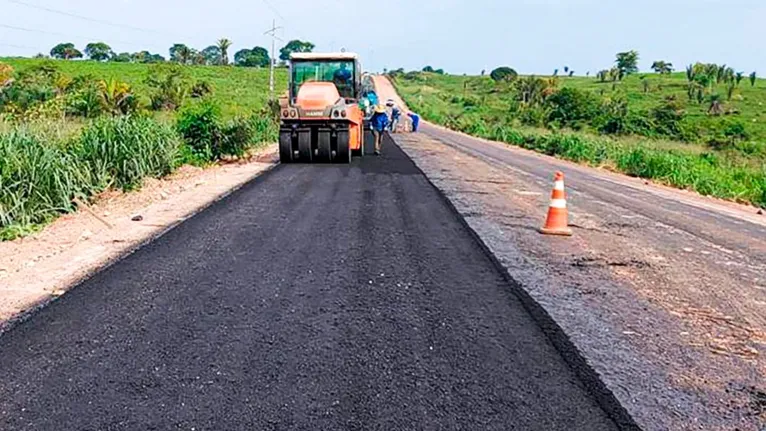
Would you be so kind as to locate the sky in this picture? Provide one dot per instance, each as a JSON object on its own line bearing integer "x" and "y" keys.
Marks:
{"x": 460, "y": 36}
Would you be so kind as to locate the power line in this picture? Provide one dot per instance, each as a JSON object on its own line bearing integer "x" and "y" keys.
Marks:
{"x": 273, "y": 9}
{"x": 84, "y": 18}
{"x": 52, "y": 33}
{"x": 10, "y": 45}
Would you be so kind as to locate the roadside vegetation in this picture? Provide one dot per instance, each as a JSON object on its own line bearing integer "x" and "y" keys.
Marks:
{"x": 703, "y": 129}
{"x": 72, "y": 129}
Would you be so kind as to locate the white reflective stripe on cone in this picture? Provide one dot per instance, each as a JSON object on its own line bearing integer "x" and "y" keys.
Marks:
{"x": 559, "y": 185}
{"x": 558, "y": 203}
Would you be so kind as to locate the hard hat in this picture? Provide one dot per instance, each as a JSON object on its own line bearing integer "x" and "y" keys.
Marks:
{"x": 380, "y": 109}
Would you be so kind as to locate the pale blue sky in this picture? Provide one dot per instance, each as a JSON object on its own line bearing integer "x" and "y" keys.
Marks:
{"x": 533, "y": 36}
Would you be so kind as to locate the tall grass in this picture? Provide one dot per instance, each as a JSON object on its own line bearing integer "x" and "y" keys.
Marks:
{"x": 704, "y": 172}
{"x": 121, "y": 152}
{"x": 40, "y": 173}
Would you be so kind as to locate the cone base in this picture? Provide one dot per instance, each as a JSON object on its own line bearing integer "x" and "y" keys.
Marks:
{"x": 560, "y": 232}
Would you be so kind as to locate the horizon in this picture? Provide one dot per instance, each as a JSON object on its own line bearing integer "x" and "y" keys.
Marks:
{"x": 590, "y": 33}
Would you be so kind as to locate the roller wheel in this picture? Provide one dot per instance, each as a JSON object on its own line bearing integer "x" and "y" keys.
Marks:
{"x": 304, "y": 146}
{"x": 344, "y": 148}
{"x": 285, "y": 147}
{"x": 323, "y": 147}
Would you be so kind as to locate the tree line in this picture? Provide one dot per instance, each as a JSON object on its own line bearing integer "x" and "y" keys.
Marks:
{"x": 213, "y": 55}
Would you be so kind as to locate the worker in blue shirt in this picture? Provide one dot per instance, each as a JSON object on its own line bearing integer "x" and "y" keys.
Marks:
{"x": 379, "y": 122}
{"x": 342, "y": 79}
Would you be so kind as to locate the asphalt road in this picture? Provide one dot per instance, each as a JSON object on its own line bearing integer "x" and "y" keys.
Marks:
{"x": 316, "y": 297}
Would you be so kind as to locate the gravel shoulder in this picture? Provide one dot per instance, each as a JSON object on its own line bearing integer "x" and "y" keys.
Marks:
{"x": 44, "y": 266}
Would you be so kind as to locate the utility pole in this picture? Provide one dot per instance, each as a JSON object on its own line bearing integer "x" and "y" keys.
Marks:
{"x": 273, "y": 33}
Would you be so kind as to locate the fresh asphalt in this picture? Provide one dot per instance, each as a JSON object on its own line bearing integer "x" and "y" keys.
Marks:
{"x": 317, "y": 297}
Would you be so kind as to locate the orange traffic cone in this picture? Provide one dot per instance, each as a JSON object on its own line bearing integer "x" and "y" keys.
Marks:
{"x": 558, "y": 216}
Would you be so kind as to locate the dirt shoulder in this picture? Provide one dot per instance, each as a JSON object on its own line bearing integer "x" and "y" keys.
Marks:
{"x": 39, "y": 268}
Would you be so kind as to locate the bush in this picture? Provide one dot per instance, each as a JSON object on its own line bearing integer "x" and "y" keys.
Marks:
{"x": 668, "y": 116}
{"x": 237, "y": 137}
{"x": 200, "y": 126}
{"x": 730, "y": 136}
{"x": 121, "y": 151}
{"x": 503, "y": 74}
{"x": 84, "y": 100}
{"x": 201, "y": 89}
{"x": 169, "y": 84}
{"x": 570, "y": 107}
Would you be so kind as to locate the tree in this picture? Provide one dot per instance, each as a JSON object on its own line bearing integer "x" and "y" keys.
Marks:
{"x": 753, "y": 77}
{"x": 196, "y": 58}
{"x": 212, "y": 55}
{"x": 503, "y": 73}
{"x": 627, "y": 62}
{"x": 147, "y": 57}
{"x": 99, "y": 51}
{"x": 180, "y": 53}
{"x": 739, "y": 77}
{"x": 690, "y": 73}
{"x": 295, "y": 46}
{"x": 224, "y": 45}
{"x": 428, "y": 69}
{"x": 123, "y": 57}
{"x": 566, "y": 69}
{"x": 256, "y": 57}
{"x": 662, "y": 67}
{"x": 65, "y": 51}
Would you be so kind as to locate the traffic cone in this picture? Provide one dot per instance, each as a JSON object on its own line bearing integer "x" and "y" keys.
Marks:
{"x": 558, "y": 216}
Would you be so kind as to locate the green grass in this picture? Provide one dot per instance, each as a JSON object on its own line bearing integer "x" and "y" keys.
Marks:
{"x": 478, "y": 106}
{"x": 48, "y": 160}
{"x": 239, "y": 90}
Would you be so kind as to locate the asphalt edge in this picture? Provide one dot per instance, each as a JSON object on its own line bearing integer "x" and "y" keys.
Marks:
{"x": 555, "y": 333}
{"x": 29, "y": 313}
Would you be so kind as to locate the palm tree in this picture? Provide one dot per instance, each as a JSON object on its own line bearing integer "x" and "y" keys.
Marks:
{"x": 224, "y": 45}
{"x": 662, "y": 67}
{"x": 184, "y": 55}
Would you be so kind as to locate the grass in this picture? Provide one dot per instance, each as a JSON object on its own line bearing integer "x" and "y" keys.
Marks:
{"x": 47, "y": 160}
{"x": 238, "y": 90}
{"x": 478, "y": 106}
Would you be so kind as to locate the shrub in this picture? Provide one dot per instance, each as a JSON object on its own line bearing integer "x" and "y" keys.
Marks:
{"x": 667, "y": 117}
{"x": 84, "y": 102}
{"x": 570, "y": 107}
{"x": 237, "y": 137}
{"x": 503, "y": 74}
{"x": 200, "y": 126}
{"x": 169, "y": 85}
{"x": 117, "y": 97}
{"x": 201, "y": 89}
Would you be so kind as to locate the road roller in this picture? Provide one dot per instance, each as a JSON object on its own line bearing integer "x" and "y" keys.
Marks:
{"x": 322, "y": 119}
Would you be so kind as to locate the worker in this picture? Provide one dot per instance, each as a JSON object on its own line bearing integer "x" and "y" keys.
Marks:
{"x": 415, "y": 121}
{"x": 342, "y": 80}
{"x": 378, "y": 123}
{"x": 395, "y": 114}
